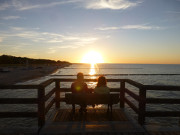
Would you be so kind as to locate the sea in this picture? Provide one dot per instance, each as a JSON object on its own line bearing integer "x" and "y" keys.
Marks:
{"x": 147, "y": 74}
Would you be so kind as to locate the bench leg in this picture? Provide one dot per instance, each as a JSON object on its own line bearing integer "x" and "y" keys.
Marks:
{"x": 111, "y": 108}
{"x": 73, "y": 110}
{"x": 108, "y": 109}
{"x": 110, "y": 114}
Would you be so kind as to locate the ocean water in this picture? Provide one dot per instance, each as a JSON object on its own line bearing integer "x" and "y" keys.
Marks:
{"x": 156, "y": 74}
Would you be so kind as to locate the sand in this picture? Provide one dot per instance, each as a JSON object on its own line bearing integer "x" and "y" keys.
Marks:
{"x": 13, "y": 75}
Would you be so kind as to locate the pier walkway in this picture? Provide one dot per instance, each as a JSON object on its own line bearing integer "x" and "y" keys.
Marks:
{"x": 93, "y": 122}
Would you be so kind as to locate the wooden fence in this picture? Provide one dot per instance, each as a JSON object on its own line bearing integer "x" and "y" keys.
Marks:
{"x": 42, "y": 98}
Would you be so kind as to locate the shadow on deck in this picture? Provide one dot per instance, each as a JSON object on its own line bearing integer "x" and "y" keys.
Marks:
{"x": 95, "y": 121}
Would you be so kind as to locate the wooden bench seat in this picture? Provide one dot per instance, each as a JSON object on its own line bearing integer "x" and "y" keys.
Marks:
{"x": 91, "y": 98}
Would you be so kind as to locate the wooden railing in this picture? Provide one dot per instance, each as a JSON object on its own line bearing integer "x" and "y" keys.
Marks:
{"x": 162, "y": 101}
{"x": 39, "y": 100}
{"x": 42, "y": 98}
{"x": 142, "y": 100}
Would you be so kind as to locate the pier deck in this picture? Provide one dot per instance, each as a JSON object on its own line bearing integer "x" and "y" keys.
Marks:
{"x": 95, "y": 121}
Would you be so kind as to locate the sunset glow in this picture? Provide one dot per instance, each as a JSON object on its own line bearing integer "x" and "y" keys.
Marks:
{"x": 92, "y": 58}
{"x": 115, "y": 31}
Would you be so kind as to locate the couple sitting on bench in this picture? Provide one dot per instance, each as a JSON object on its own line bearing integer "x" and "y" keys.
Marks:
{"x": 79, "y": 86}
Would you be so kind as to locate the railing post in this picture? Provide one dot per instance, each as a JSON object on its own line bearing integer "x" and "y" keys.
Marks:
{"x": 122, "y": 93}
{"x": 142, "y": 106}
{"x": 57, "y": 94}
{"x": 41, "y": 106}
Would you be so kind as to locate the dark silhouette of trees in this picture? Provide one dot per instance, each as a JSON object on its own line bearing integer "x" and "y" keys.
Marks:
{"x": 7, "y": 59}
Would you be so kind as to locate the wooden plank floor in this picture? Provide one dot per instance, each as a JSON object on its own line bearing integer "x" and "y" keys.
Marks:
{"x": 90, "y": 115}
{"x": 94, "y": 122}
{"x": 162, "y": 130}
{"x": 164, "y": 133}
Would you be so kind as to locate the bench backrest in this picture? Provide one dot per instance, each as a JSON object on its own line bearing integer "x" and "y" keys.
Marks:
{"x": 92, "y": 98}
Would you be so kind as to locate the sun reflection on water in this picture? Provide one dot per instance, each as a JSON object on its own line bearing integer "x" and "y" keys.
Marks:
{"x": 92, "y": 69}
{"x": 92, "y": 73}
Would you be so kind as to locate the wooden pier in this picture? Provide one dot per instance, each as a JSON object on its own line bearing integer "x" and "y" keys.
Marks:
{"x": 95, "y": 121}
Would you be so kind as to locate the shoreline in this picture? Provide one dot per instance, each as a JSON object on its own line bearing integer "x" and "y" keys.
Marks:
{"x": 13, "y": 75}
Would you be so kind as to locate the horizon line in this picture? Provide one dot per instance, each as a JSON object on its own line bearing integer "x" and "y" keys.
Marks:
{"x": 130, "y": 63}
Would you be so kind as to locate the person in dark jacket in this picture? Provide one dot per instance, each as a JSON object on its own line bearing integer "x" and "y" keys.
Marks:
{"x": 80, "y": 87}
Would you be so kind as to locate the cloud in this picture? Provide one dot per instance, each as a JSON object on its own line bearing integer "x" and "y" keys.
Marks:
{"x": 28, "y": 5}
{"x": 22, "y": 5}
{"x": 17, "y": 28}
{"x": 130, "y": 27}
{"x": 51, "y": 50}
{"x": 141, "y": 27}
{"x": 4, "y": 6}
{"x": 107, "y": 28}
{"x": 173, "y": 12}
{"x": 11, "y": 17}
{"x": 110, "y": 4}
{"x": 54, "y": 39}
{"x": 67, "y": 46}
{"x": 1, "y": 39}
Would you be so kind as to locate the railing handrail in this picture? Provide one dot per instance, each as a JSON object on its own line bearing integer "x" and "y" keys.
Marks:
{"x": 69, "y": 90}
{"x": 134, "y": 83}
{"x": 86, "y": 80}
{"x": 121, "y": 75}
{"x": 19, "y": 86}
{"x": 46, "y": 83}
{"x": 162, "y": 87}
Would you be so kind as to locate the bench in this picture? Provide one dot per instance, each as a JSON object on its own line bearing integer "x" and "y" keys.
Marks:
{"x": 91, "y": 99}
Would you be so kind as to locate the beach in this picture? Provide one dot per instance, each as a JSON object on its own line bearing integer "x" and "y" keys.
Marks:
{"x": 13, "y": 75}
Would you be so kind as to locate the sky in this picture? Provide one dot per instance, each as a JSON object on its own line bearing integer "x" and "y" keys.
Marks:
{"x": 121, "y": 31}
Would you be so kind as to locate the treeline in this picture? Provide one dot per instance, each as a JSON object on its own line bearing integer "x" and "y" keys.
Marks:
{"x": 7, "y": 59}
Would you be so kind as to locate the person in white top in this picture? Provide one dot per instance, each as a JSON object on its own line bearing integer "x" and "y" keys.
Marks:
{"x": 101, "y": 87}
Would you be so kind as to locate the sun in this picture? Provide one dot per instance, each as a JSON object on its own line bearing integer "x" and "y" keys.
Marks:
{"x": 92, "y": 57}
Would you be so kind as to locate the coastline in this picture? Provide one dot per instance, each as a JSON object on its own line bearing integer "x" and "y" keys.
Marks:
{"x": 13, "y": 75}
